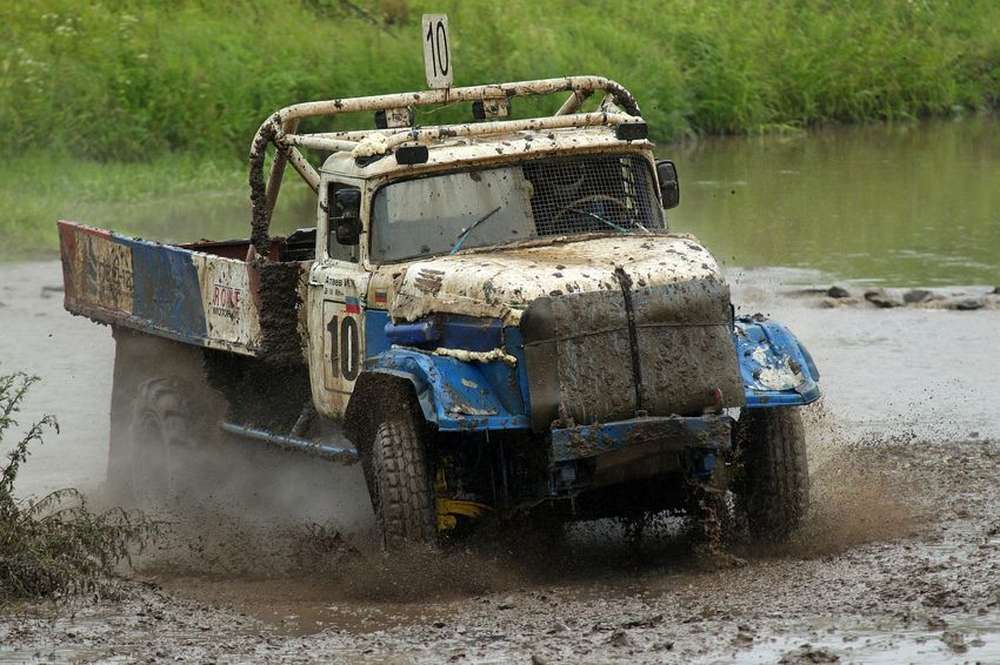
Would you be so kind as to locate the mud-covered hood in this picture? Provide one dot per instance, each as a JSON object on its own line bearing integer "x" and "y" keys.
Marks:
{"x": 503, "y": 282}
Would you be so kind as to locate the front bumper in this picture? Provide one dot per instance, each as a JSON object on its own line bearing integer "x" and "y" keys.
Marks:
{"x": 593, "y": 456}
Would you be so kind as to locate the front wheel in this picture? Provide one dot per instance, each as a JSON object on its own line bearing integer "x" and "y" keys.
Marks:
{"x": 399, "y": 481}
{"x": 774, "y": 489}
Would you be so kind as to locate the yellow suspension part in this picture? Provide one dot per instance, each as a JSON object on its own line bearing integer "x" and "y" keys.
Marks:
{"x": 448, "y": 510}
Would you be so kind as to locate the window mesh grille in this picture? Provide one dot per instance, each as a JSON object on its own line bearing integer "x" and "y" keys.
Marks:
{"x": 592, "y": 193}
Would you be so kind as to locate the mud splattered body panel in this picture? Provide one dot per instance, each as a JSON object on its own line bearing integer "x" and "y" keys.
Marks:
{"x": 177, "y": 293}
{"x": 663, "y": 350}
{"x": 569, "y": 299}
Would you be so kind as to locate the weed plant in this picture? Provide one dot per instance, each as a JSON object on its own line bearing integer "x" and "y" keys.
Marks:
{"x": 55, "y": 545}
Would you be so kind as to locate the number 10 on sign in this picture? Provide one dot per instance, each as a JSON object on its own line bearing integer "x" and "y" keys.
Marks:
{"x": 437, "y": 51}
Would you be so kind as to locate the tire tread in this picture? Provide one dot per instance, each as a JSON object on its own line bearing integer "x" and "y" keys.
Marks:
{"x": 776, "y": 486}
{"x": 402, "y": 494}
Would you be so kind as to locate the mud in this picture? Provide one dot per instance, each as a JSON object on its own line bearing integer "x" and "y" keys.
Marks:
{"x": 898, "y": 561}
{"x": 917, "y": 580}
{"x": 280, "y": 301}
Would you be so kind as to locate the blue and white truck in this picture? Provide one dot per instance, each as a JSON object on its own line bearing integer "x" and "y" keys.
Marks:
{"x": 493, "y": 316}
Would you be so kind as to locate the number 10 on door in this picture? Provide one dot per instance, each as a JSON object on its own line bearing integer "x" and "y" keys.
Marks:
{"x": 341, "y": 345}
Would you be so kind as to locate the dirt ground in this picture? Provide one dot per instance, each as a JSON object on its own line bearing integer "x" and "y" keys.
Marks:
{"x": 899, "y": 559}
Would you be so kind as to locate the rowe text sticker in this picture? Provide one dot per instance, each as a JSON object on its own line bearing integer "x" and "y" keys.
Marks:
{"x": 437, "y": 51}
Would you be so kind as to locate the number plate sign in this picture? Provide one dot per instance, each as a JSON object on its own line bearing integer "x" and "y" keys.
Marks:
{"x": 437, "y": 51}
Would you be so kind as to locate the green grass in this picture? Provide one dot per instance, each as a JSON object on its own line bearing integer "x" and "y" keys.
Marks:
{"x": 130, "y": 80}
{"x": 110, "y": 109}
{"x": 36, "y": 191}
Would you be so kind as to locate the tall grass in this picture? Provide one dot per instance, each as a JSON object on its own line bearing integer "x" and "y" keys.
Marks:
{"x": 125, "y": 79}
{"x": 55, "y": 544}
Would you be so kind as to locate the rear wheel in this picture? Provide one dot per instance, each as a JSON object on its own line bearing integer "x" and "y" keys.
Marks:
{"x": 399, "y": 480}
{"x": 774, "y": 489}
{"x": 162, "y": 437}
{"x": 165, "y": 434}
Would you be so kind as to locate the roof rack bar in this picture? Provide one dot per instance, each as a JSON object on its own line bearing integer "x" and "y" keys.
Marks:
{"x": 574, "y": 102}
{"x": 359, "y": 134}
{"x": 317, "y": 142}
{"x": 423, "y": 135}
{"x": 304, "y": 169}
{"x": 502, "y": 126}
{"x": 585, "y": 84}
{"x": 278, "y": 170}
{"x": 275, "y": 129}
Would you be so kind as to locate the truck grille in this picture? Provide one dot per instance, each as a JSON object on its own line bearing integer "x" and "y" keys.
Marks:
{"x": 589, "y": 361}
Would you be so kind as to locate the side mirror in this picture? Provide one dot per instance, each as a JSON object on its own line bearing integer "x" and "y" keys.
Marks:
{"x": 670, "y": 187}
{"x": 345, "y": 215}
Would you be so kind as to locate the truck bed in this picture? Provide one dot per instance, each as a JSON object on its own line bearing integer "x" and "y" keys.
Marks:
{"x": 204, "y": 293}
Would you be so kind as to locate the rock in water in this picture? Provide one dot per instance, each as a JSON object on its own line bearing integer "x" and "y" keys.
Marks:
{"x": 838, "y": 292}
{"x": 917, "y": 295}
{"x": 967, "y": 304}
{"x": 881, "y": 298}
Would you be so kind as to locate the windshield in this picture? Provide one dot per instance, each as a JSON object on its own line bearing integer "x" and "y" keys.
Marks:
{"x": 545, "y": 197}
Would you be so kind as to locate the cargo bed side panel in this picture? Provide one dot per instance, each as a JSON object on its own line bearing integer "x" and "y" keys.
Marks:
{"x": 159, "y": 289}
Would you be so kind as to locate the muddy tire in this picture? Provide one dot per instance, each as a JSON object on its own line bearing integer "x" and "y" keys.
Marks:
{"x": 162, "y": 427}
{"x": 166, "y": 433}
{"x": 399, "y": 481}
{"x": 774, "y": 488}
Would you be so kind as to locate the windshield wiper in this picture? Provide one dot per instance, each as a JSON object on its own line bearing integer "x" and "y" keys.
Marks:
{"x": 602, "y": 219}
{"x": 465, "y": 233}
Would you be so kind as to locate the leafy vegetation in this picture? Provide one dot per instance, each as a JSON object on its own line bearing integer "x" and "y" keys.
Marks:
{"x": 114, "y": 112}
{"x": 130, "y": 80}
{"x": 55, "y": 544}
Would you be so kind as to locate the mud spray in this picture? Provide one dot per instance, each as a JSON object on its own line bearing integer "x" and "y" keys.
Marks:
{"x": 280, "y": 534}
{"x": 860, "y": 491}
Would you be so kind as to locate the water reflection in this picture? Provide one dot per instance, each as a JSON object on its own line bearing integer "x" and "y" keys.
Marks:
{"x": 908, "y": 204}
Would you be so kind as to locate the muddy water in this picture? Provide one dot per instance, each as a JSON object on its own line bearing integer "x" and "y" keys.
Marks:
{"x": 906, "y": 204}
{"x": 916, "y": 388}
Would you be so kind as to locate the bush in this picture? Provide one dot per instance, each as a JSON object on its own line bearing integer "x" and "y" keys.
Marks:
{"x": 55, "y": 545}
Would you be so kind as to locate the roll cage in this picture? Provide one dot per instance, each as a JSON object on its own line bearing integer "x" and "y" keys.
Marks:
{"x": 618, "y": 107}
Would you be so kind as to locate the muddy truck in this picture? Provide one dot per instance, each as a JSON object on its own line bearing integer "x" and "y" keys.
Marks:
{"x": 493, "y": 317}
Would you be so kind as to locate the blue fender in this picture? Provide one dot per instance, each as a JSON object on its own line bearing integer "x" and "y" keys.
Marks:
{"x": 455, "y": 395}
{"x": 777, "y": 369}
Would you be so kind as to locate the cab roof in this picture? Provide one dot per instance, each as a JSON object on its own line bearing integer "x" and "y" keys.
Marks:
{"x": 509, "y": 147}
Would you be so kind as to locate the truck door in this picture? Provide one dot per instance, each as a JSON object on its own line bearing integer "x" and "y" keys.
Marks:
{"x": 338, "y": 285}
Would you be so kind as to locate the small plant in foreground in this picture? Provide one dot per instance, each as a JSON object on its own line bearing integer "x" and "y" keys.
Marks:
{"x": 55, "y": 545}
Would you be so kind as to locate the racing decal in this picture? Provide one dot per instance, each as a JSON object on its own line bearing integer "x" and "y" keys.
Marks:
{"x": 341, "y": 344}
{"x": 97, "y": 270}
{"x": 230, "y": 311}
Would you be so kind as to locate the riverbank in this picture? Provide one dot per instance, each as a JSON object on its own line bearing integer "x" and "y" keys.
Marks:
{"x": 173, "y": 197}
{"x": 134, "y": 81}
